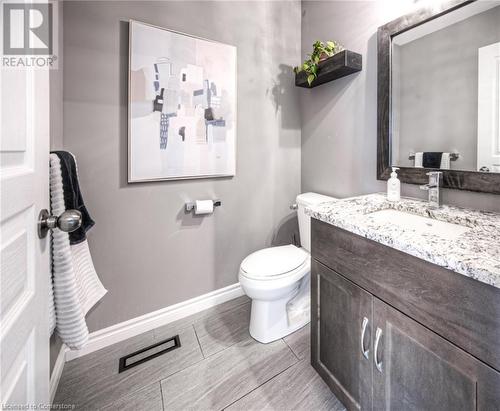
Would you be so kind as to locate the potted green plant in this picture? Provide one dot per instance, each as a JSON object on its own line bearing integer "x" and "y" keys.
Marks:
{"x": 321, "y": 51}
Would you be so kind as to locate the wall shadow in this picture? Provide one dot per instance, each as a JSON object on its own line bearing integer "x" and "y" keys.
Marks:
{"x": 285, "y": 98}
{"x": 189, "y": 219}
{"x": 287, "y": 231}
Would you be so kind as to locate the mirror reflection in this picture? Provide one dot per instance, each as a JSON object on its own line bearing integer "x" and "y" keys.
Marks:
{"x": 446, "y": 91}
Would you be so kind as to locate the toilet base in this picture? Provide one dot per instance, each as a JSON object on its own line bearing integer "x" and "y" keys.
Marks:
{"x": 269, "y": 320}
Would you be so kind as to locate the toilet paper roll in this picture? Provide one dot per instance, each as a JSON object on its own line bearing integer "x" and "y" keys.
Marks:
{"x": 203, "y": 207}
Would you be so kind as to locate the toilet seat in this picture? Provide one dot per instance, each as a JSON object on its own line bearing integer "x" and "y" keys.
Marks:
{"x": 274, "y": 263}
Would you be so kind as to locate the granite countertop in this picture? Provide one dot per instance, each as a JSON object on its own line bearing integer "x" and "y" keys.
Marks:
{"x": 475, "y": 253}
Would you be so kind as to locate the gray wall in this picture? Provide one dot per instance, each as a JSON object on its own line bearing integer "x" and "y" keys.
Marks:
{"x": 438, "y": 76}
{"x": 339, "y": 137}
{"x": 147, "y": 251}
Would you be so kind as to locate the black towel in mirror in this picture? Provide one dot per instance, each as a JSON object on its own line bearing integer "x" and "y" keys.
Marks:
{"x": 73, "y": 199}
{"x": 431, "y": 159}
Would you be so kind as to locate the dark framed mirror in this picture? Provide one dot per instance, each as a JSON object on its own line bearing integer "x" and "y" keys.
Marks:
{"x": 439, "y": 95}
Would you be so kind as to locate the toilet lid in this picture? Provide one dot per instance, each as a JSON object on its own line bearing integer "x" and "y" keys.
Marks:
{"x": 274, "y": 261}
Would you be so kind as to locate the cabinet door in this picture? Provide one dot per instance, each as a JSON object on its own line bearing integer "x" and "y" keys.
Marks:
{"x": 416, "y": 369}
{"x": 341, "y": 315}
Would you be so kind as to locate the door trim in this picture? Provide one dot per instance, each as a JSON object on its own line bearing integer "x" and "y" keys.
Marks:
{"x": 55, "y": 376}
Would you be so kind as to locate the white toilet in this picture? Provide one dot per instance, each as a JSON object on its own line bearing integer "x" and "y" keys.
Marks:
{"x": 277, "y": 277}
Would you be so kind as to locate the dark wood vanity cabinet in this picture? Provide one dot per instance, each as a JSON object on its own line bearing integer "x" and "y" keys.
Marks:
{"x": 336, "y": 342}
{"x": 414, "y": 368}
{"x": 375, "y": 356}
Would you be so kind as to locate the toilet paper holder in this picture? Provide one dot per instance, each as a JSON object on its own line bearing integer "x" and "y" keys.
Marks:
{"x": 190, "y": 206}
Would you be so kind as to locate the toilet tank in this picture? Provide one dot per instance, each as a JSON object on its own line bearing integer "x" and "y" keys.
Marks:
{"x": 306, "y": 200}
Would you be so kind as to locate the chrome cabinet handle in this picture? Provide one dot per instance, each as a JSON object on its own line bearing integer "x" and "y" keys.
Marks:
{"x": 68, "y": 222}
{"x": 363, "y": 331}
{"x": 378, "y": 363}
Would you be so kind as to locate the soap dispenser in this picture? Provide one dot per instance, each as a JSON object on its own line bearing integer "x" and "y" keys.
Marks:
{"x": 394, "y": 186}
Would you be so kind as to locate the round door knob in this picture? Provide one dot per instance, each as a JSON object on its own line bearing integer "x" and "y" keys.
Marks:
{"x": 68, "y": 222}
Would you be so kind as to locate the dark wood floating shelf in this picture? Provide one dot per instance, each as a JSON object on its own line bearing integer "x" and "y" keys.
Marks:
{"x": 339, "y": 65}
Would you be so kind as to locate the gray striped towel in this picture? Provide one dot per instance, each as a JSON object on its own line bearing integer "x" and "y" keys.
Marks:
{"x": 75, "y": 285}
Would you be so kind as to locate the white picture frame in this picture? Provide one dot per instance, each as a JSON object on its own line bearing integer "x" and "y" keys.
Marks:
{"x": 182, "y": 106}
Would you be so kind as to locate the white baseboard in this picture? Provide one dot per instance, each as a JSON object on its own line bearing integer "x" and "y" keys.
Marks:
{"x": 135, "y": 326}
{"x": 55, "y": 376}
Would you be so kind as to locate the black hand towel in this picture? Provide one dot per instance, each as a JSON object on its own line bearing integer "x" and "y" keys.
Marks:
{"x": 73, "y": 199}
{"x": 432, "y": 159}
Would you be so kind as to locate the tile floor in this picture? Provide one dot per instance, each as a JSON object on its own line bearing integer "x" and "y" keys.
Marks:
{"x": 218, "y": 366}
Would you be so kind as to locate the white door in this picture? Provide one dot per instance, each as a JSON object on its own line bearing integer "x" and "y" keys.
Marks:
{"x": 24, "y": 275}
{"x": 488, "y": 121}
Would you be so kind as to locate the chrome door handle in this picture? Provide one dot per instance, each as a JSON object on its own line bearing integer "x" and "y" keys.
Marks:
{"x": 68, "y": 222}
{"x": 363, "y": 331}
{"x": 378, "y": 363}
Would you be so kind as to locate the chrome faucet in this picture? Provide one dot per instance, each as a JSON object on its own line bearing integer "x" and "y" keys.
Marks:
{"x": 432, "y": 187}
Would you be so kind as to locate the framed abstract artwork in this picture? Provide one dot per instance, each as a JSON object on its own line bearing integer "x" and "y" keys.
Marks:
{"x": 181, "y": 106}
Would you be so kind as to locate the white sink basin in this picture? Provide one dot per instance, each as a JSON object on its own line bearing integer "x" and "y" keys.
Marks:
{"x": 419, "y": 224}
